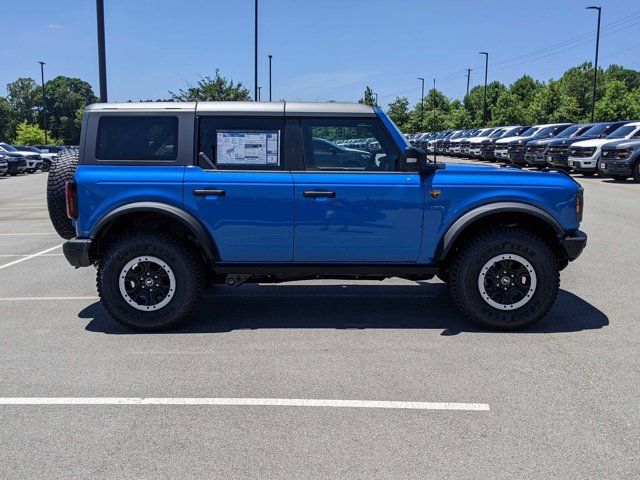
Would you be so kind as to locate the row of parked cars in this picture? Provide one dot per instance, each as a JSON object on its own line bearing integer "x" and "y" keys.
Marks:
{"x": 17, "y": 159}
{"x": 610, "y": 149}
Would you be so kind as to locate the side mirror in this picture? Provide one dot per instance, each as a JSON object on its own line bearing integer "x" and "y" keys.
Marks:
{"x": 415, "y": 160}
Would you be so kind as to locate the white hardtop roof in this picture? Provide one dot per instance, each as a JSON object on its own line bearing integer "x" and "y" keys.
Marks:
{"x": 632, "y": 124}
{"x": 331, "y": 109}
{"x": 552, "y": 124}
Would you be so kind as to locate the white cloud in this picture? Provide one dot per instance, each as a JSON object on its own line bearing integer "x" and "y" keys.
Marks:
{"x": 55, "y": 26}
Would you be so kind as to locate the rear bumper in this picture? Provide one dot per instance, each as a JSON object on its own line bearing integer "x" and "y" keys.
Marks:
{"x": 574, "y": 244}
{"x": 76, "y": 251}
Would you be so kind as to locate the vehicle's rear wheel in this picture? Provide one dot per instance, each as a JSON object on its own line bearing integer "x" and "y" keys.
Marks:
{"x": 61, "y": 172}
{"x": 504, "y": 279}
{"x": 150, "y": 280}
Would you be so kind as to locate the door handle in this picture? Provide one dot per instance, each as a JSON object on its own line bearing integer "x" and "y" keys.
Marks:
{"x": 319, "y": 194}
{"x": 207, "y": 193}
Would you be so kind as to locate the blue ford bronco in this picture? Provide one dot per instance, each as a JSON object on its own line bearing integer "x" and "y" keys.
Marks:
{"x": 166, "y": 198}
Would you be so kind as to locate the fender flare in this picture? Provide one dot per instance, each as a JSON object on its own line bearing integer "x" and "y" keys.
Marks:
{"x": 472, "y": 216}
{"x": 175, "y": 213}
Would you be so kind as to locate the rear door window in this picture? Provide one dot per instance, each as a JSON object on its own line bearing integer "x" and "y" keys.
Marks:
{"x": 240, "y": 143}
{"x": 137, "y": 138}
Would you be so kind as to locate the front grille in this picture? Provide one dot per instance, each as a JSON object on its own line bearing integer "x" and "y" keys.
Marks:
{"x": 516, "y": 149}
{"x": 558, "y": 150}
{"x": 33, "y": 157}
{"x": 582, "y": 152}
{"x": 615, "y": 153}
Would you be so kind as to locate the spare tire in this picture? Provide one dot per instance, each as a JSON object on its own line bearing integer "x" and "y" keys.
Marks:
{"x": 62, "y": 170}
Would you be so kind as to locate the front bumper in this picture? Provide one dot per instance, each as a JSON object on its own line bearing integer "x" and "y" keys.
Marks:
{"x": 574, "y": 244}
{"x": 517, "y": 158}
{"x": 616, "y": 167}
{"x": 584, "y": 164}
{"x": 558, "y": 159}
{"x": 77, "y": 252}
{"x": 501, "y": 154}
{"x": 537, "y": 159}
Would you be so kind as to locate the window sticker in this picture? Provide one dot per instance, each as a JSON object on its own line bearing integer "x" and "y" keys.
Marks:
{"x": 242, "y": 147}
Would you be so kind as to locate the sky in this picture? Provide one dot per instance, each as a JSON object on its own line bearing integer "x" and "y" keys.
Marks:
{"x": 322, "y": 49}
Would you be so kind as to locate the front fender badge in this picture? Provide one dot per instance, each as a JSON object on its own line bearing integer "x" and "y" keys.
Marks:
{"x": 434, "y": 194}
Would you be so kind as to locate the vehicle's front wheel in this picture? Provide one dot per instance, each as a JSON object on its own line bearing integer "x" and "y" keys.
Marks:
{"x": 505, "y": 279}
{"x": 150, "y": 280}
{"x": 636, "y": 171}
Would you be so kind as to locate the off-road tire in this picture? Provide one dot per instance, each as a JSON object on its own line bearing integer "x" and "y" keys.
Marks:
{"x": 61, "y": 172}
{"x": 466, "y": 266}
{"x": 179, "y": 255}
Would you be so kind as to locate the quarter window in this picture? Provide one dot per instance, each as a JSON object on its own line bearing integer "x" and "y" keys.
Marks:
{"x": 137, "y": 138}
{"x": 348, "y": 144}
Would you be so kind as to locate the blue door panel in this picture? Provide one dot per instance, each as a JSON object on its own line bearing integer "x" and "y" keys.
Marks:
{"x": 253, "y": 221}
{"x": 374, "y": 217}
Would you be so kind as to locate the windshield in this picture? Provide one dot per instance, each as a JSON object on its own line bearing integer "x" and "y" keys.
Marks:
{"x": 622, "y": 132}
{"x": 497, "y": 133}
{"x": 548, "y": 131}
{"x": 529, "y": 132}
{"x": 567, "y": 132}
{"x": 8, "y": 147}
{"x": 597, "y": 130}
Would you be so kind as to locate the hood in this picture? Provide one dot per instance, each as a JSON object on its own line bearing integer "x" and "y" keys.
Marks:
{"x": 595, "y": 142}
{"x": 503, "y": 141}
{"x": 478, "y": 139}
{"x": 542, "y": 141}
{"x": 624, "y": 143}
{"x": 561, "y": 142}
{"x": 517, "y": 140}
{"x": 457, "y": 173}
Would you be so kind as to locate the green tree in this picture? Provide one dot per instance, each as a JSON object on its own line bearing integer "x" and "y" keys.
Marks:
{"x": 30, "y": 134}
{"x": 64, "y": 97}
{"x": 631, "y": 78}
{"x": 577, "y": 82}
{"x": 399, "y": 112}
{"x": 553, "y": 104}
{"x": 618, "y": 102}
{"x": 218, "y": 88}
{"x": 369, "y": 97}
{"x": 25, "y": 100}
{"x": 6, "y": 117}
{"x": 474, "y": 102}
{"x": 509, "y": 110}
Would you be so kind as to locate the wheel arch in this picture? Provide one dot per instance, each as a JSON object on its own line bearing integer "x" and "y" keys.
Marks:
{"x": 140, "y": 214}
{"x": 500, "y": 213}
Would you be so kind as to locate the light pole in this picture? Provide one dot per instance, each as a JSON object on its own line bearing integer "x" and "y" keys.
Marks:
{"x": 468, "y": 79}
{"x": 422, "y": 104}
{"x": 433, "y": 103}
{"x": 44, "y": 104}
{"x": 486, "y": 68}
{"x": 595, "y": 70}
{"x": 102, "y": 61}
{"x": 259, "y": 88}
{"x": 270, "y": 57}
{"x": 255, "y": 54}
{"x": 376, "y": 99}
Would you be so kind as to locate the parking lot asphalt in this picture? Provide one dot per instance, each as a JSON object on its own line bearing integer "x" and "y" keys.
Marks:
{"x": 562, "y": 397}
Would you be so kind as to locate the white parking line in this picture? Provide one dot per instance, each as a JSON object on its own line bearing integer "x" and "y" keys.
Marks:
{"x": 29, "y": 257}
{"x": 43, "y": 255}
{"x": 265, "y": 402}
{"x": 44, "y": 299}
{"x": 25, "y": 234}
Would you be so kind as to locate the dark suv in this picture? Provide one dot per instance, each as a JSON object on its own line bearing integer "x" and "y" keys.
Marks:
{"x": 558, "y": 149}
{"x": 537, "y": 149}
